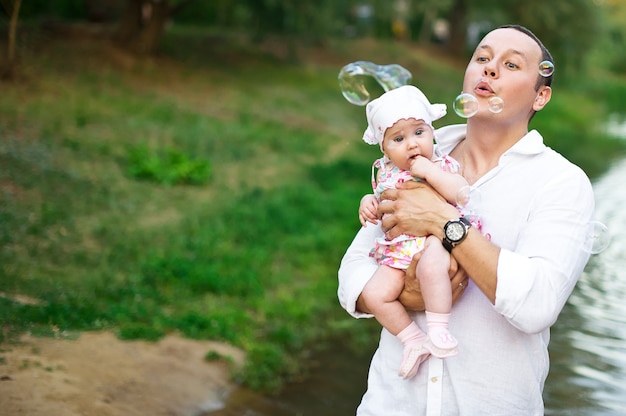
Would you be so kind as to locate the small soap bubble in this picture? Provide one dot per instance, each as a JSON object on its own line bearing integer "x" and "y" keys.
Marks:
{"x": 496, "y": 104}
{"x": 546, "y": 68}
{"x": 468, "y": 202}
{"x": 466, "y": 105}
{"x": 463, "y": 196}
{"x": 468, "y": 199}
{"x": 598, "y": 237}
{"x": 352, "y": 79}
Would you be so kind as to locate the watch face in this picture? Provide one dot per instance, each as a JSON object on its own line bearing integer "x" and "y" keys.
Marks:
{"x": 455, "y": 231}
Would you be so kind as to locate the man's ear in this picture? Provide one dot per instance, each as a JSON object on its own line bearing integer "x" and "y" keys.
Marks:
{"x": 543, "y": 97}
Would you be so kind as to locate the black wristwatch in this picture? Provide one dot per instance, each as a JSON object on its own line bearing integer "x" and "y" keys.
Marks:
{"x": 454, "y": 232}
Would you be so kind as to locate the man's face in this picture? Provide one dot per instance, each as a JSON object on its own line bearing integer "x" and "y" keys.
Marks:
{"x": 506, "y": 64}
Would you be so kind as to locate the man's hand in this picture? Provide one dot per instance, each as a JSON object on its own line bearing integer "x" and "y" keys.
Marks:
{"x": 411, "y": 297}
{"x": 414, "y": 208}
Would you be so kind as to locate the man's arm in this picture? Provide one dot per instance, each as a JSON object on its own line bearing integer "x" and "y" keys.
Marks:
{"x": 415, "y": 208}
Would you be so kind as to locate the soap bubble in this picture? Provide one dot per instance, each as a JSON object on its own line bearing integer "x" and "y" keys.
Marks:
{"x": 463, "y": 196}
{"x": 598, "y": 237}
{"x": 465, "y": 105}
{"x": 352, "y": 79}
{"x": 496, "y": 104}
{"x": 468, "y": 199}
{"x": 353, "y": 90}
{"x": 546, "y": 68}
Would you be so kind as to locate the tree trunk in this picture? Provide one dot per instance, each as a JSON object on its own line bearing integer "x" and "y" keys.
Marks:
{"x": 427, "y": 26}
{"x": 149, "y": 37}
{"x": 11, "y": 69}
{"x": 458, "y": 28}
{"x": 130, "y": 23}
{"x": 142, "y": 24}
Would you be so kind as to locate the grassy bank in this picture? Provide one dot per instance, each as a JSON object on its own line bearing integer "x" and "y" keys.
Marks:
{"x": 210, "y": 190}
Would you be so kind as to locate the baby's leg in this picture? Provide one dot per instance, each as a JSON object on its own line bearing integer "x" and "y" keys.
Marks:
{"x": 380, "y": 296}
{"x": 432, "y": 272}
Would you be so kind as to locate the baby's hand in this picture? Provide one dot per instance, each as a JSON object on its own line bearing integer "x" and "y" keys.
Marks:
{"x": 367, "y": 210}
{"x": 420, "y": 166}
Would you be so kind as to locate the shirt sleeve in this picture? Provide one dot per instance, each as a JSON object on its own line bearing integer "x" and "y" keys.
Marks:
{"x": 536, "y": 278}
{"x": 356, "y": 268}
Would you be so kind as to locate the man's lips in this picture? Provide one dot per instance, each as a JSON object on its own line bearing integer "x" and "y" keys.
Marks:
{"x": 483, "y": 88}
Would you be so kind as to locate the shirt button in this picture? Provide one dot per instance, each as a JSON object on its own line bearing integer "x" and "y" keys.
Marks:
{"x": 434, "y": 379}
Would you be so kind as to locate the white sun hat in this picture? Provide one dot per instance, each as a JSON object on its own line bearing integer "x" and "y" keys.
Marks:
{"x": 400, "y": 103}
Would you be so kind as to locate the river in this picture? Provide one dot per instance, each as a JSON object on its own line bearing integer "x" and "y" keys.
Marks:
{"x": 588, "y": 347}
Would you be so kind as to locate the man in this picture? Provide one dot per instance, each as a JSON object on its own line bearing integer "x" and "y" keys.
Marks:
{"x": 535, "y": 207}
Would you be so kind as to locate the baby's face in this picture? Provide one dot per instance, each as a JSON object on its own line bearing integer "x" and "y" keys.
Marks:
{"x": 407, "y": 139}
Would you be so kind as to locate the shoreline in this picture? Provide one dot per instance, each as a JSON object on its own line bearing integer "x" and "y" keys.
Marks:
{"x": 97, "y": 374}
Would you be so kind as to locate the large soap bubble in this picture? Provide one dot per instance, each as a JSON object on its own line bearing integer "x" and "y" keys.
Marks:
{"x": 598, "y": 237}
{"x": 352, "y": 79}
{"x": 465, "y": 105}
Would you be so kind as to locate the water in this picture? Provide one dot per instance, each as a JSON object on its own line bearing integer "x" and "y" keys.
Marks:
{"x": 334, "y": 388}
{"x": 616, "y": 125}
{"x": 588, "y": 347}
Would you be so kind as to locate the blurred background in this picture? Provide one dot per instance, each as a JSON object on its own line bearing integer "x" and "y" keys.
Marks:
{"x": 191, "y": 167}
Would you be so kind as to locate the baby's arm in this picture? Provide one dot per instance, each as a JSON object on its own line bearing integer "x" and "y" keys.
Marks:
{"x": 448, "y": 184}
{"x": 367, "y": 210}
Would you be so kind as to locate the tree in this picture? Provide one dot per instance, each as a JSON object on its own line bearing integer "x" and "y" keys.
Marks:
{"x": 10, "y": 70}
{"x": 569, "y": 29}
{"x": 458, "y": 27}
{"x": 143, "y": 22}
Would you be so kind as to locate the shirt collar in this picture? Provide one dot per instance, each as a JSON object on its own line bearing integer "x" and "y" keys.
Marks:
{"x": 449, "y": 136}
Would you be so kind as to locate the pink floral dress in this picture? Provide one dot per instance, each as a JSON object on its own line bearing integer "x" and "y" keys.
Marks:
{"x": 397, "y": 253}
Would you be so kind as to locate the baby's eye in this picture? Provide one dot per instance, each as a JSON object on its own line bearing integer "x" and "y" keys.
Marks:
{"x": 419, "y": 132}
{"x": 398, "y": 139}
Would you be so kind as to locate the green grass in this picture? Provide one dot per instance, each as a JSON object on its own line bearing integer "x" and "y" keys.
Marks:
{"x": 209, "y": 191}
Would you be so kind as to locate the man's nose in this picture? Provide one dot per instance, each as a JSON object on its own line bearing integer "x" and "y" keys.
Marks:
{"x": 490, "y": 72}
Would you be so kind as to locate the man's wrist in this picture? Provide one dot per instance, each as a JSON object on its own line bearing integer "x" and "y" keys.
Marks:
{"x": 454, "y": 232}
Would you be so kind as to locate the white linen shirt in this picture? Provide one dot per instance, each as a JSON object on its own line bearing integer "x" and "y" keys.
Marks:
{"x": 537, "y": 207}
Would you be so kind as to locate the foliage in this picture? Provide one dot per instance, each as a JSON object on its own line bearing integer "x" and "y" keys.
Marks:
{"x": 250, "y": 257}
{"x": 170, "y": 167}
{"x": 69, "y": 9}
{"x": 213, "y": 355}
{"x": 576, "y": 31}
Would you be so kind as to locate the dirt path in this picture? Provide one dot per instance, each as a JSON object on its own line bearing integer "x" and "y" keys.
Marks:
{"x": 99, "y": 375}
